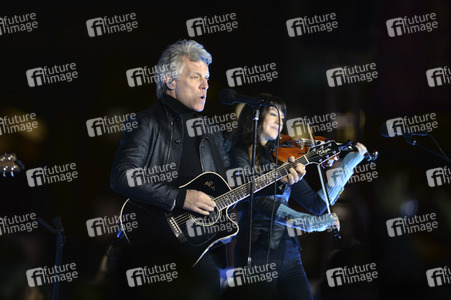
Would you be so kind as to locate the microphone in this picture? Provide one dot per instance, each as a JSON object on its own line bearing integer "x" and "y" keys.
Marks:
{"x": 384, "y": 132}
{"x": 229, "y": 97}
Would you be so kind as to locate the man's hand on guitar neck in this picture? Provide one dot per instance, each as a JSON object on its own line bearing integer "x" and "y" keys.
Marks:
{"x": 198, "y": 202}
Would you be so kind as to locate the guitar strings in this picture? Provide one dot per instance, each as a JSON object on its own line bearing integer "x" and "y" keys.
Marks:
{"x": 219, "y": 200}
{"x": 222, "y": 200}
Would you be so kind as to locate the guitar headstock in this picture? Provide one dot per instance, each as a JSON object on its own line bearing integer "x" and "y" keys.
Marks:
{"x": 324, "y": 152}
{"x": 10, "y": 164}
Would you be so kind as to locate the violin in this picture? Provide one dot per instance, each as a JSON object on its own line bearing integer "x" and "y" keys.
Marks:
{"x": 289, "y": 146}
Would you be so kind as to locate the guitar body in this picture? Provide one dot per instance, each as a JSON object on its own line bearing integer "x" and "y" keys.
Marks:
{"x": 180, "y": 235}
{"x": 183, "y": 236}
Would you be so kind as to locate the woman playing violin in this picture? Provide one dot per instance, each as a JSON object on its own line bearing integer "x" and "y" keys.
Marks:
{"x": 272, "y": 242}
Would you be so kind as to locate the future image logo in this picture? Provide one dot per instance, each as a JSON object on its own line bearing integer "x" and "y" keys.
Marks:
{"x": 250, "y": 275}
{"x": 46, "y": 175}
{"x": 18, "y": 223}
{"x": 203, "y": 125}
{"x": 18, "y": 123}
{"x": 145, "y": 75}
{"x": 300, "y": 226}
{"x": 438, "y": 176}
{"x": 349, "y": 275}
{"x": 401, "y": 226}
{"x": 158, "y": 173}
{"x": 48, "y": 75}
{"x": 210, "y": 25}
{"x": 111, "y": 225}
{"x": 18, "y": 23}
{"x": 109, "y": 25}
{"x": 205, "y": 226}
{"x": 239, "y": 176}
{"x": 349, "y": 75}
{"x": 310, "y": 25}
{"x": 318, "y": 123}
{"x": 438, "y": 276}
{"x": 51, "y": 275}
{"x": 254, "y": 74}
{"x": 411, "y": 125}
{"x": 438, "y": 76}
{"x": 361, "y": 173}
{"x": 408, "y": 25}
{"x": 154, "y": 274}
{"x": 113, "y": 124}
{"x": 235, "y": 177}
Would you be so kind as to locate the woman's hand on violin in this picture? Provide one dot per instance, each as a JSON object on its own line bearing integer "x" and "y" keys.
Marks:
{"x": 295, "y": 174}
{"x": 361, "y": 148}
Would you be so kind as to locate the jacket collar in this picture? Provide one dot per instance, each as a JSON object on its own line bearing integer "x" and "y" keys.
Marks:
{"x": 176, "y": 106}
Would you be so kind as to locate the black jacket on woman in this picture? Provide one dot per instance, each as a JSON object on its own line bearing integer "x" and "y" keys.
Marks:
{"x": 264, "y": 204}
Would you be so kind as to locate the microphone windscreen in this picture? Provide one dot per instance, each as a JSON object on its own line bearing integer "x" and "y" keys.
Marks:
{"x": 227, "y": 96}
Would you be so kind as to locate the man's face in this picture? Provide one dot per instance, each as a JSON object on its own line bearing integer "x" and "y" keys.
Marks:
{"x": 191, "y": 86}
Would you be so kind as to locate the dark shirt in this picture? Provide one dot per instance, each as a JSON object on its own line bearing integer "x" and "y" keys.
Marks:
{"x": 190, "y": 165}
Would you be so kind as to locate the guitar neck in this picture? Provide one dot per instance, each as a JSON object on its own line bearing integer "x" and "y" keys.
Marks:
{"x": 238, "y": 194}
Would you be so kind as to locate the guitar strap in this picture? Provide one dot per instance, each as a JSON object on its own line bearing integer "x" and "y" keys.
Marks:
{"x": 219, "y": 163}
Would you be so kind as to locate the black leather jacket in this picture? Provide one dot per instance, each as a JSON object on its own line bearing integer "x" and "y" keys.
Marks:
{"x": 264, "y": 204}
{"x": 157, "y": 141}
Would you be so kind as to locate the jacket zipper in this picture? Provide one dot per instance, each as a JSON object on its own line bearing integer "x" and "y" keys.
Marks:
{"x": 170, "y": 142}
{"x": 200, "y": 154}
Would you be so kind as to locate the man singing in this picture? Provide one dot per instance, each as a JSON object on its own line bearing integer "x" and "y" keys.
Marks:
{"x": 163, "y": 138}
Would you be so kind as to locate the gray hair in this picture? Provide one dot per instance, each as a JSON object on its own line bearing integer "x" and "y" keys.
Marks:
{"x": 171, "y": 61}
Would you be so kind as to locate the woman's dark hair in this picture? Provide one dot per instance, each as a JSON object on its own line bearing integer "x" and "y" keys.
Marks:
{"x": 244, "y": 132}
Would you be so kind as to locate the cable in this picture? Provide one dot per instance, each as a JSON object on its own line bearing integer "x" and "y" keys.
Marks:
{"x": 275, "y": 190}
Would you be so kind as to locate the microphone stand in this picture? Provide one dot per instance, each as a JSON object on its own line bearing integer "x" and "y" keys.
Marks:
{"x": 321, "y": 177}
{"x": 256, "y": 112}
{"x": 60, "y": 241}
{"x": 412, "y": 141}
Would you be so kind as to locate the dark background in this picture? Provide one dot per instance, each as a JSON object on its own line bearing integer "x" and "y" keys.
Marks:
{"x": 101, "y": 89}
